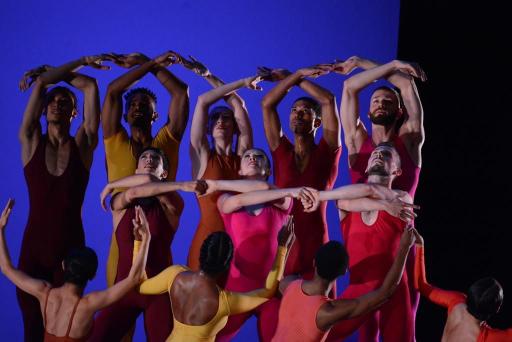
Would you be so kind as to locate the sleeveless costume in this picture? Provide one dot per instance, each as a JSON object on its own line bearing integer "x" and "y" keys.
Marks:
{"x": 53, "y": 229}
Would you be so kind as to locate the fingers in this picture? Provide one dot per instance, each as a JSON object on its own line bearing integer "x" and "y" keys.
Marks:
{"x": 8, "y": 208}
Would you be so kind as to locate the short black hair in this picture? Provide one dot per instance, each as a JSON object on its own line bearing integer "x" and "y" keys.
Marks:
{"x": 141, "y": 90}
{"x": 80, "y": 266}
{"x": 216, "y": 253}
{"x": 165, "y": 160}
{"x": 314, "y": 104}
{"x": 331, "y": 260}
{"x": 59, "y": 90}
{"x": 484, "y": 298}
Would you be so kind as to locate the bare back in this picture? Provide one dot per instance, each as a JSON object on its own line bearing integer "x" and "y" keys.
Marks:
{"x": 194, "y": 299}
{"x": 460, "y": 326}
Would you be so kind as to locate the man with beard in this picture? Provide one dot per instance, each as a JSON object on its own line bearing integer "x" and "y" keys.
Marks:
{"x": 303, "y": 163}
{"x": 371, "y": 236}
{"x": 390, "y": 122}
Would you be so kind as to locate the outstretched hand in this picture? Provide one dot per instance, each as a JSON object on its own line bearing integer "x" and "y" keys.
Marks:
{"x": 412, "y": 69}
{"x": 272, "y": 75}
{"x": 107, "y": 190}
{"x": 96, "y": 60}
{"x": 126, "y": 60}
{"x": 140, "y": 225}
{"x": 419, "y": 239}
{"x": 252, "y": 82}
{"x": 30, "y": 76}
{"x": 316, "y": 70}
{"x": 4, "y": 219}
{"x": 168, "y": 58}
{"x": 309, "y": 197}
{"x": 403, "y": 210}
{"x": 345, "y": 67}
{"x": 196, "y": 66}
{"x": 286, "y": 235}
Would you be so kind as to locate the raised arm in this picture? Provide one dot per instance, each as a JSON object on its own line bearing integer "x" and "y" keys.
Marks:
{"x": 112, "y": 110}
{"x": 439, "y": 296}
{"x": 242, "y": 302}
{"x": 237, "y": 104}
{"x": 199, "y": 146}
{"x": 271, "y": 100}
{"x": 239, "y": 185}
{"x": 177, "y": 115}
{"x": 87, "y": 134}
{"x": 101, "y": 299}
{"x": 30, "y": 130}
{"x": 335, "y": 311}
{"x": 412, "y": 130}
{"x": 35, "y": 287}
{"x": 282, "y": 198}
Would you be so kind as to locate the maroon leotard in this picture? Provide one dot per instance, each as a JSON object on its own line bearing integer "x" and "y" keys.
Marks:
{"x": 115, "y": 321}
{"x": 310, "y": 228}
{"x": 53, "y": 229}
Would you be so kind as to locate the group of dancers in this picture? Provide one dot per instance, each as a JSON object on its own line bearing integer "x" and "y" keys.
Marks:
{"x": 260, "y": 249}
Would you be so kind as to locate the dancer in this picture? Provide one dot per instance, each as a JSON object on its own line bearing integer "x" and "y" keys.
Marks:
{"x": 467, "y": 313}
{"x": 201, "y": 320}
{"x": 307, "y": 314}
{"x": 221, "y": 159}
{"x": 392, "y": 122}
{"x": 68, "y": 315}
{"x": 56, "y": 167}
{"x": 163, "y": 207}
{"x": 303, "y": 163}
{"x": 371, "y": 234}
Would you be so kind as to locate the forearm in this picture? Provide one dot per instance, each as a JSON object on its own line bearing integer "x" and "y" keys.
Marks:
{"x": 361, "y": 80}
{"x": 347, "y": 192}
{"x": 254, "y": 197}
{"x": 243, "y": 185}
{"x": 275, "y": 274}
{"x": 5, "y": 258}
{"x": 394, "y": 274}
{"x": 322, "y": 95}
{"x": 59, "y": 73}
{"x": 125, "y": 81}
{"x": 151, "y": 189}
{"x": 276, "y": 94}
{"x": 361, "y": 205}
{"x": 210, "y": 97}
{"x": 140, "y": 252}
{"x": 174, "y": 85}
{"x": 132, "y": 181}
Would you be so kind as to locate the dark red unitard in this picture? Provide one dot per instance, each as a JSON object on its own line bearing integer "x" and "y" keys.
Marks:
{"x": 372, "y": 250}
{"x": 116, "y": 320}
{"x": 53, "y": 229}
{"x": 310, "y": 228}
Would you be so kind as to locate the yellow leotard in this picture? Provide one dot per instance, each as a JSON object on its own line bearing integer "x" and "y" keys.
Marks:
{"x": 230, "y": 303}
{"x": 121, "y": 163}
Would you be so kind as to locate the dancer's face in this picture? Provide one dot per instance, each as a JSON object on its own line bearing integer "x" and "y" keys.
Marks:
{"x": 254, "y": 163}
{"x": 383, "y": 161}
{"x": 303, "y": 118}
{"x": 384, "y": 107}
{"x": 60, "y": 108}
{"x": 141, "y": 110}
{"x": 224, "y": 126}
{"x": 150, "y": 162}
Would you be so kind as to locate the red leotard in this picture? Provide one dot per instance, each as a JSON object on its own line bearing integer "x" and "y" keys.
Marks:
{"x": 310, "y": 228}
{"x": 371, "y": 250}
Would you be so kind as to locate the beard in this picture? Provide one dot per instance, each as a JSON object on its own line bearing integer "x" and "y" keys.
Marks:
{"x": 139, "y": 122}
{"x": 377, "y": 170}
{"x": 383, "y": 120}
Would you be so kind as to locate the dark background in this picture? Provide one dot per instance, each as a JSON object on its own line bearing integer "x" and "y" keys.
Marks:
{"x": 464, "y": 187}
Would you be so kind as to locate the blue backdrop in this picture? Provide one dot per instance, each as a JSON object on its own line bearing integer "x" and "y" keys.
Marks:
{"x": 231, "y": 37}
